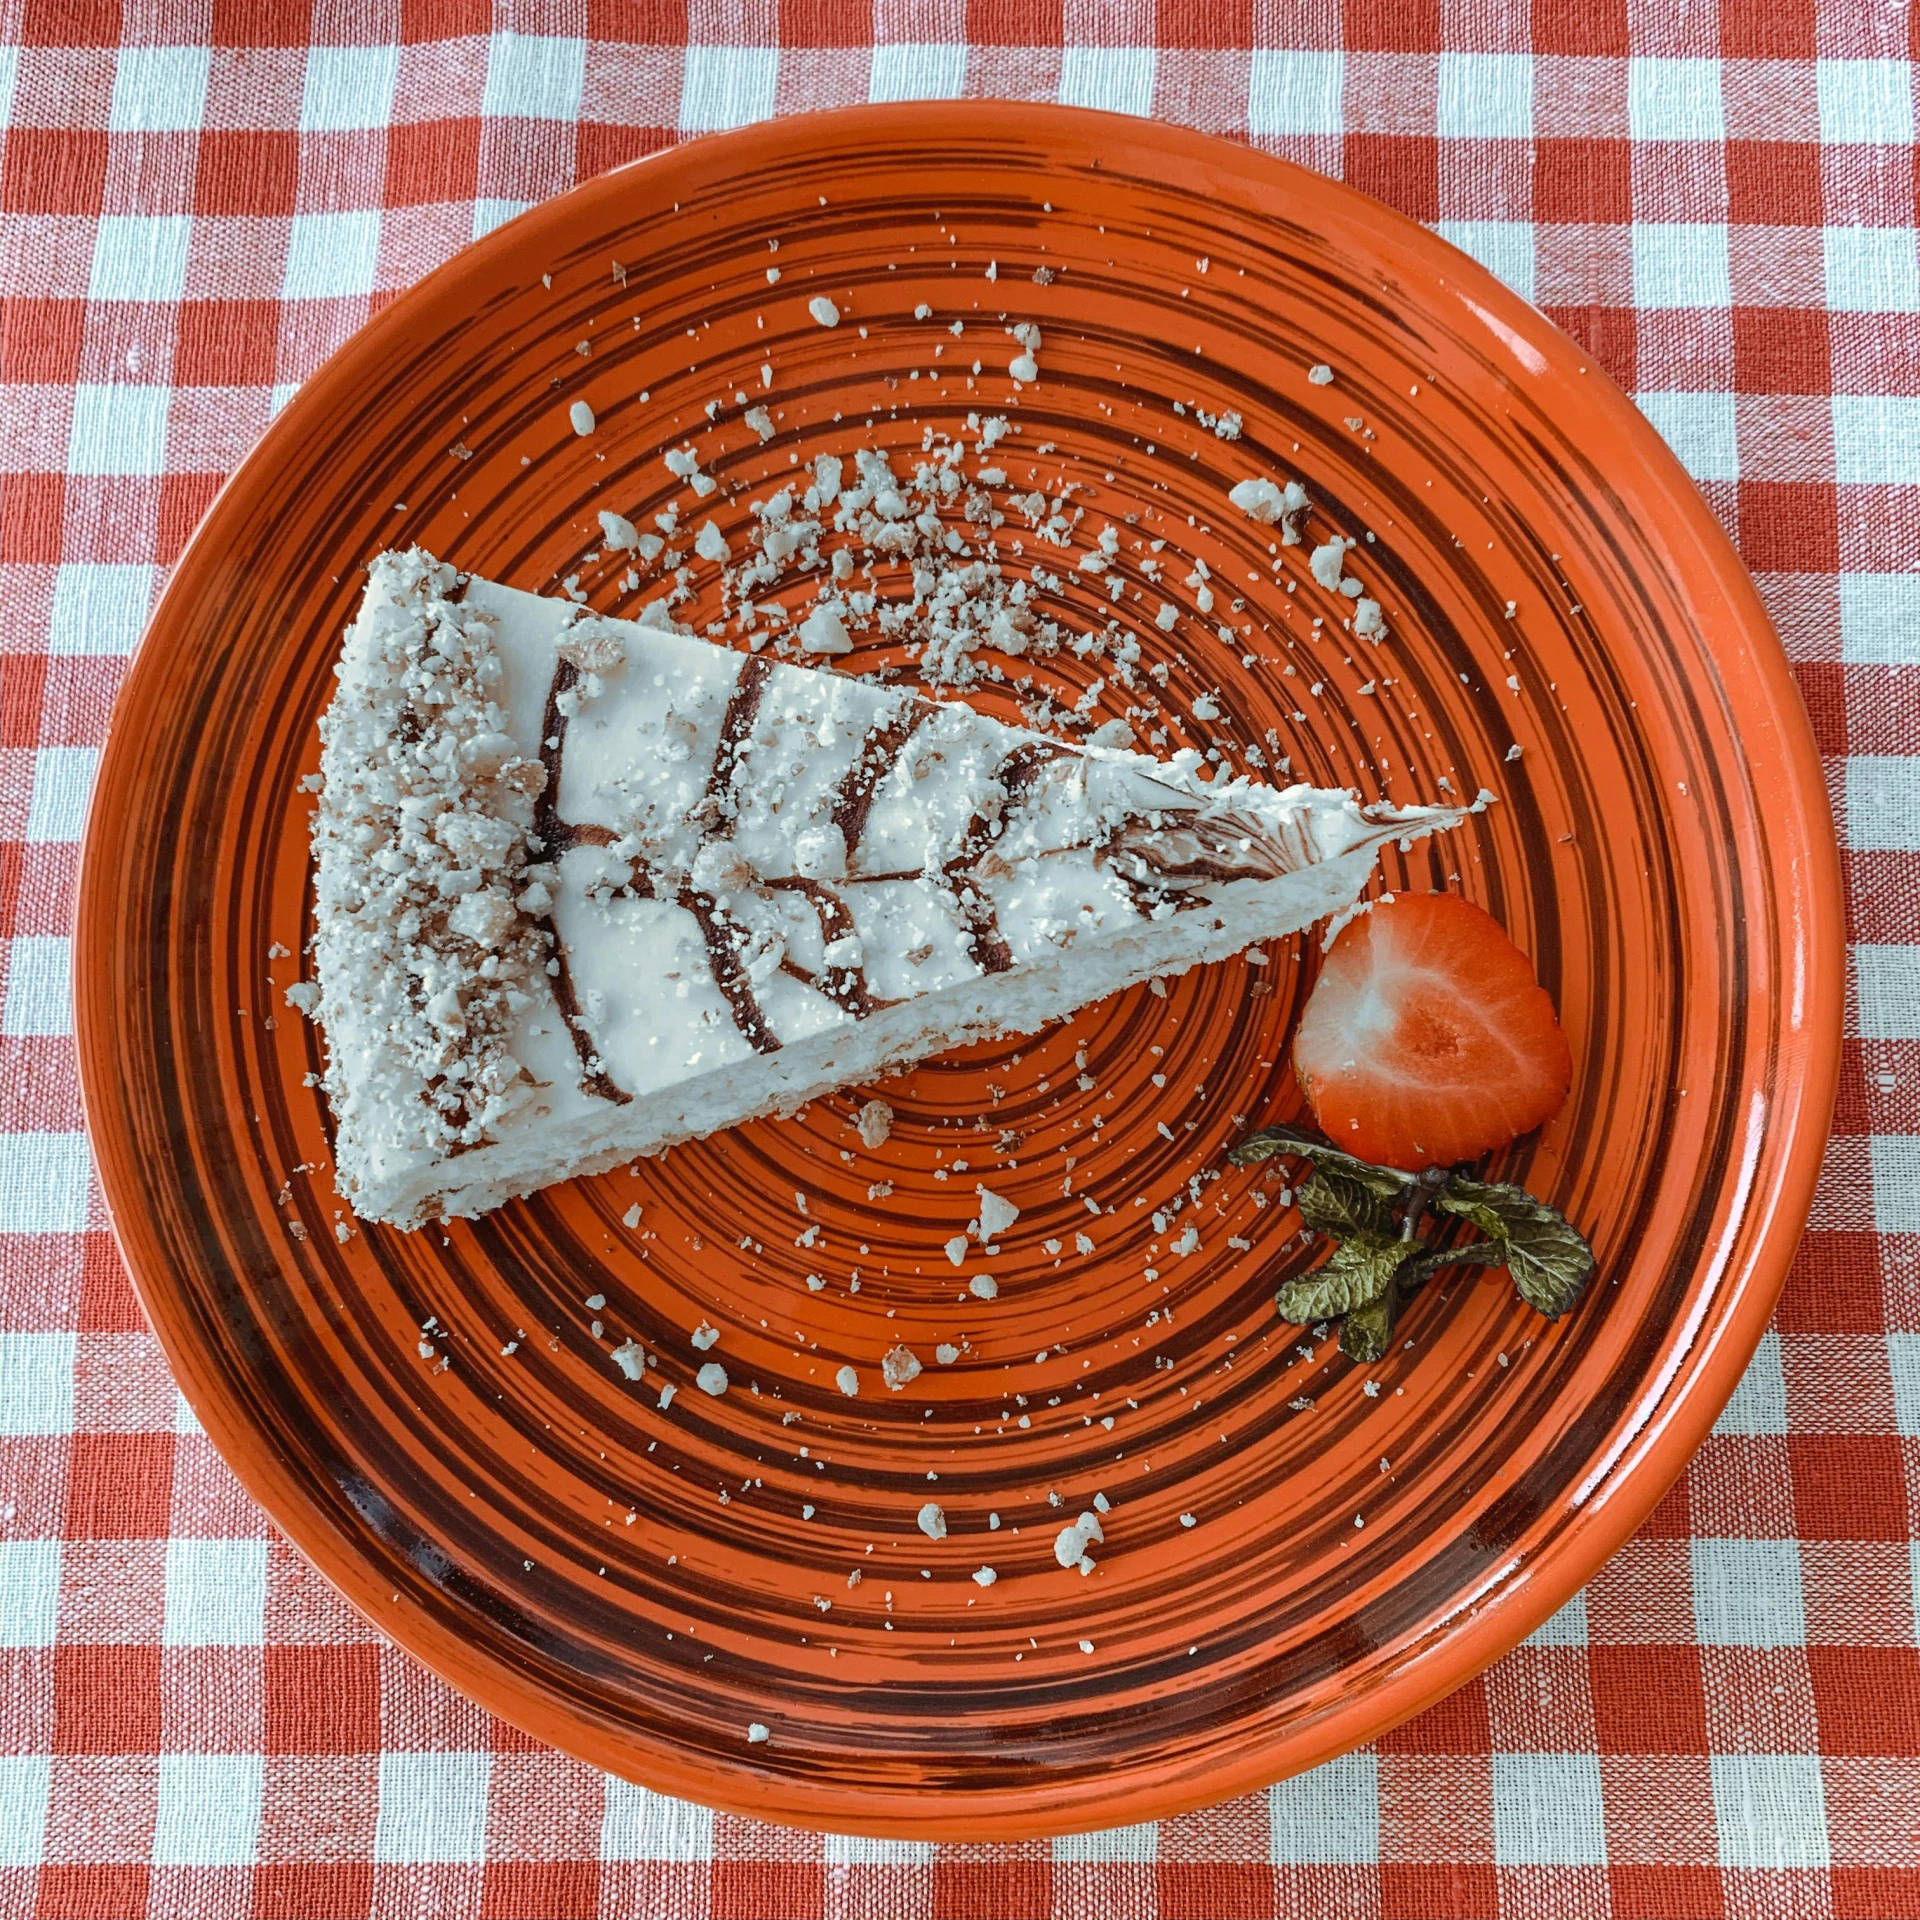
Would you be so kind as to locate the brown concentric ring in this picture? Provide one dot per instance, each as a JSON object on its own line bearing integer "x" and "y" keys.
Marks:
{"x": 1661, "y": 847}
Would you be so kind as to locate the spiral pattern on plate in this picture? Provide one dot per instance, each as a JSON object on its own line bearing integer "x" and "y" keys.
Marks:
{"x": 1296, "y": 1552}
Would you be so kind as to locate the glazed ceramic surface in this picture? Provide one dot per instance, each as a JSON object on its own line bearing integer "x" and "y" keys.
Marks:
{"x": 1298, "y": 1553}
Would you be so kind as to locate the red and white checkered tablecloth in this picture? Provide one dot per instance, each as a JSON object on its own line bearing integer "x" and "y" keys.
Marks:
{"x": 199, "y": 199}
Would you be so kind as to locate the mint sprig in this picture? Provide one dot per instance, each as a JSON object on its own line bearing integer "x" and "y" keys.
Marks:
{"x": 1373, "y": 1216}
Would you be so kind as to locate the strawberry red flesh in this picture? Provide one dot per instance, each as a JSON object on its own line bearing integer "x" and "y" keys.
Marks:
{"x": 1426, "y": 1039}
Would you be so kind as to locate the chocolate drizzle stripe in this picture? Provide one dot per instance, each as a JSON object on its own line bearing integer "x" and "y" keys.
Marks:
{"x": 736, "y": 728}
{"x": 845, "y": 986}
{"x": 876, "y": 759}
{"x": 728, "y": 974}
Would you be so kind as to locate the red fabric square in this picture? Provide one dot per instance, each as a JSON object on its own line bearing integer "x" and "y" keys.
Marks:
{"x": 1647, "y": 1699}
{"x": 987, "y": 1889}
{"x": 1848, "y": 1486}
{"x": 184, "y": 500}
{"x": 1789, "y": 526}
{"x": 53, "y": 170}
{"x": 1850, "y": 1110}
{"x": 1868, "y": 1699}
{"x": 432, "y": 160}
{"x": 1672, "y": 1518}
{"x": 599, "y": 149}
{"x": 1457, "y": 1724}
{"x": 831, "y": 23}
{"x": 1767, "y": 30}
{"x": 1774, "y": 183}
{"x": 1608, "y": 333}
{"x": 1823, "y": 688}
{"x": 321, "y": 1699}
{"x": 120, "y": 1486}
{"x": 543, "y": 1890}
{"x": 1583, "y": 180}
{"x": 1456, "y": 1890}
{"x": 108, "y": 1303}
{"x": 1666, "y": 1893}
{"x": 1403, "y": 169}
{"x": 1214, "y": 1890}
{"x": 1191, "y": 25}
{"x": 227, "y": 343}
{"x": 1833, "y": 1285}
{"x": 106, "y": 1699}
{"x": 1391, "y": 26}
{"x": 1015, "y": 23}
{"x": 342, "y": 1890}
{"x": 423, "y": 20}
{"x": 41, "y": 341}
{"x": 261, "y": 23}
{"x": 768, "y": 1889}
{"x": 32, "y": 509}
{"x": 1580, "y": 26}
{"x": 109, "y": 1891}
{"x": 249, "y": 172}
{"x": 1875, "y": 1893}
{"x": 69, "y": 23}
{"x": 1782, "y": 350}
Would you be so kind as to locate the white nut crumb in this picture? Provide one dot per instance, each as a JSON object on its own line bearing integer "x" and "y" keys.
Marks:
{"x": 874, "y": 1121}
{"x": 619, "y": 533}
{"x": 932, "y": 1521}
{"x": 631, "y": 1358}
{"x": 582, "y": 417}
{"x": 712, "y": 1378}
{"x": 996, "y": 1214}
{"x": 985, "y": 1577}
{"x": 1320, "y": 376}
{"x": 898, "y": 1367}
{"x": 847, "y": 1381}
{"x": 756, "y": 1733}
{"x": 946, "y": 1353}
{"x": 983, "y": 1286}
{"x": 1187, "y": 1520}
{"x": 957, "y": 1249}
{"x": 823, "y": 310}
{"x": 705, "y": 1336}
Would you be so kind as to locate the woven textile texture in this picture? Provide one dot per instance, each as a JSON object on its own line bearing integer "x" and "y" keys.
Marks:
{"x": 199, "y": 199}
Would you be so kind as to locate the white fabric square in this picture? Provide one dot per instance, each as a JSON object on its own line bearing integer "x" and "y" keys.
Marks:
{"x": 36, "y": 1375}
{"x": 1118, "y": 79}
{"x": 1872, "y": 270}
{"x": 25, "y": 1781}
{"x": 1882, "y": 803}
{"x": 159, "y": 89}
{"x": 1903, "y": 1358}
{"x": 348, "y": 88}
{"x": 1138, "y": 1844}
{"x": 1874, "y": 441}
{"x": 1700, "y": 428}
{"x": 1503, "y": 247}
{"x": 140, "y": 256}
{"x": 1865, "y": 102}
{"x": 1289, "y": 92}
{"x": 1674, "y": 99}
{"x": 1895, "y": 1158}
{"x": 9, "y": 75}
{"x": 1759, "y": 1402}
{"x": 62, "y": 780}
{"x": 118, "y": 429}
{"x": 488, "y": 214}
{"x": 534, "y": 76}
{"x": 29, "y": 1592}
{"x": 1888, "y": 997}
{"x": 216, "y": 1593}
{"x": 1486, "y": 96}
{"x": 433, "y": 1806}
{"x": 209, "y": 1811}
{"x": 1567, "y": 1628}
{"x": 918, "y": 70}
{"x": 1879, "y": 618}
{"x": 1746, "y": 1593}
{"x": 724, "y": 87}
{"x": 853, "y": 1850}
{"x": 1770, "y": 1809}
{"x": 39, "y": 985}
{"x": 284, "y": 391}
{"x": 185, "y": 1420}
{"x": 1681, "y": 263}
{"x": 45, "y": 1179}
{"x": 1329, "y": 1817}
{"x": 98, "y": 607}
{"x": 639, "y": 1825}
{"x": 1547, "y": 1810}
{"x": 330, "y": 255}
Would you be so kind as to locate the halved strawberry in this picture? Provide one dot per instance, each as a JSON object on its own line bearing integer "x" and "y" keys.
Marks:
{"x": 1426, "y": 1039}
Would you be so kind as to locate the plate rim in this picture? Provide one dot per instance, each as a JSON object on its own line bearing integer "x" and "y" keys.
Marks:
{"x": 1803, "y": 860}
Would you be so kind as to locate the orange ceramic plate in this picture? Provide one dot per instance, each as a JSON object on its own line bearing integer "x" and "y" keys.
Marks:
{"x": 640, "y": 1586}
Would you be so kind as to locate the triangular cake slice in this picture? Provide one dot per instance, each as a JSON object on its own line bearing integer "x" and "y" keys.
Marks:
{"x": 588, "y": 887}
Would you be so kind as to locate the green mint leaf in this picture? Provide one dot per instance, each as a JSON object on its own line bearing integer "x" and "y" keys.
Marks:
{"x": 1366, "y": 1334}
{"x": 1269, "y": 1141}
{"x": 1477, "y": 1253}
{"x": 1548, "y": 1258}
{"x": 1330, "y": 1202}
{"x": 1360, "y": 1271}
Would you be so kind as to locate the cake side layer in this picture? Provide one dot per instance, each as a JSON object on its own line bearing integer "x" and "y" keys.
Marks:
{"x": 594, "y": 1137}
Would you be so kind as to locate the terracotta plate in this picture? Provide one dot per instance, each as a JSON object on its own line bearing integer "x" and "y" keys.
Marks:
{"x": 1297, "y": 1554}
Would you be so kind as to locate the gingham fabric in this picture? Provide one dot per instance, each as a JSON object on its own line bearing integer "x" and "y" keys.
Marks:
{"x": 200, "y": 198}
